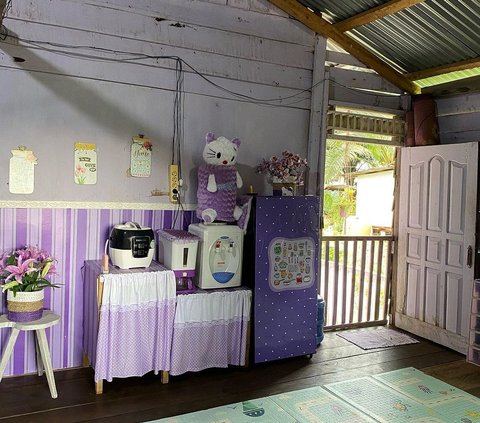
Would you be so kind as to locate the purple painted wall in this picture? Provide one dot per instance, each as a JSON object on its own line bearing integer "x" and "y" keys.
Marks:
{"x": 72, "y": 236}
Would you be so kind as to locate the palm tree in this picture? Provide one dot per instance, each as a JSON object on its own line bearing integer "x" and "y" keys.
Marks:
{"x": 342, "y": 160}
{"x": 382, "y": 155}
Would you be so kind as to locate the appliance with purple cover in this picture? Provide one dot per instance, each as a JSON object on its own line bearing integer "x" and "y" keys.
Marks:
{"x": 177, "y": 250}
{"x": 280, "y": 265}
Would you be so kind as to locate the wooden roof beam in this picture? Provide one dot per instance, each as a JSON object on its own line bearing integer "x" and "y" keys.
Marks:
{"x": 440, "y": 70}
{"x": 322, "y": 27}
{"x": 379, "y": 12}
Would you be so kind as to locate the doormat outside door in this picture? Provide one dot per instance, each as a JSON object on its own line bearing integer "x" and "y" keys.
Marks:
{"x": 377, "y": 338}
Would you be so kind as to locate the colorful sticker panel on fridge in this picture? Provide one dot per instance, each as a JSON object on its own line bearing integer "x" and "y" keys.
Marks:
{"x": 286, "y": 261}
{"x": 290, "y": 263}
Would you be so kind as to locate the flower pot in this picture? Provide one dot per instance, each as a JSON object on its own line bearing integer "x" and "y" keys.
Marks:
{"x": 281, "y": 189}
{"x": 24, "y": 306}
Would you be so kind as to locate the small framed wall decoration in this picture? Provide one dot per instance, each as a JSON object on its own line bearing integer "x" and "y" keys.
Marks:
{"x": 22, "y": 171}
{"x": 141, "y": 157}
{"x": 85, "y": 172}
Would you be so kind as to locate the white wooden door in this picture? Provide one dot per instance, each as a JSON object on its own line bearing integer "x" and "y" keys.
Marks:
{"x": 436, "y": 238}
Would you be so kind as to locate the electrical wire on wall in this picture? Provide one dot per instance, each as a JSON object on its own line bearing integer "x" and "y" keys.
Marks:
{"x": 139, "y": 59}
{"x": 136, "y": 58}
{"x": 177, "y": 139}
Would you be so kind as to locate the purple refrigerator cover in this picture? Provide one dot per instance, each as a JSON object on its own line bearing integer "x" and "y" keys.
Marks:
{"x": 286, "y": 263}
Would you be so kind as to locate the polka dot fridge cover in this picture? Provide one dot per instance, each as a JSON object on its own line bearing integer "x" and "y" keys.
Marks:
{"x": 285, "y": 263}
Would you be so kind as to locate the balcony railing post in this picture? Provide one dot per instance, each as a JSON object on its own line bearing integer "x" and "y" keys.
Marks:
{"x": 355, "y": 295}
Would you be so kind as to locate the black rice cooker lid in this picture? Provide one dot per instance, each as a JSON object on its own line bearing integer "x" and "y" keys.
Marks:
{"x": 121, "y": 236}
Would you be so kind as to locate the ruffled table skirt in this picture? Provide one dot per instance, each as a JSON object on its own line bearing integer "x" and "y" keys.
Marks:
{"x": 210, "y": 330}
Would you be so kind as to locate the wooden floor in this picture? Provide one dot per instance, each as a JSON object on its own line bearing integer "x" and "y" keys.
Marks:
{"x": 27, "y": 399}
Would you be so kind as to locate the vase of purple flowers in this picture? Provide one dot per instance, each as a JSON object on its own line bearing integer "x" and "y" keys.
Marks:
{"x": 24, "y": 275}
{"x": 285, "y": 173}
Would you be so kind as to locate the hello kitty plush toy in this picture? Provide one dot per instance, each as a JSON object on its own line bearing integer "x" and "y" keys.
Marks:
{"x": 218, "y": 181}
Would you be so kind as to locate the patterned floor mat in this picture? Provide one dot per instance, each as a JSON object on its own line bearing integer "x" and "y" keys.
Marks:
{"x": 405, "y": 395}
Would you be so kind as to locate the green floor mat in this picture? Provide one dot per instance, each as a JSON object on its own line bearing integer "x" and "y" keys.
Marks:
{"x": 319, "y": 406}
{"x": 405, "y": 395}
{"x": 381, "y": 402}
{"x": 262, "y": 410}
{"x": 420, "y": 386}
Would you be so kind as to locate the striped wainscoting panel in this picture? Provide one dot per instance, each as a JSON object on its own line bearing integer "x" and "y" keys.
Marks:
{"x": 72, "y": 236}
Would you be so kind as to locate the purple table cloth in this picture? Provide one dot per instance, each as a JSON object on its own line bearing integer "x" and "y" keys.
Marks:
{"x": 135, "y": 320}
{"x": 210, "y": 330}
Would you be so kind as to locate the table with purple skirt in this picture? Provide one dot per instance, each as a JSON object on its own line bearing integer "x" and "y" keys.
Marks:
{"x": 135, "y": 323}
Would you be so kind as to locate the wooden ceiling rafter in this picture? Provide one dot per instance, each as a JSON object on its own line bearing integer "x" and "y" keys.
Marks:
{"x": 379, "y": 12}
{"x": 319, "y": 25}
{"x": 441, "y": 70}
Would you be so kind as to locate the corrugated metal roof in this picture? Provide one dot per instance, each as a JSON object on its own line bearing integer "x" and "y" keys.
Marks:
{"x": 427, "y": 35}
{"x": 336, "y": 10}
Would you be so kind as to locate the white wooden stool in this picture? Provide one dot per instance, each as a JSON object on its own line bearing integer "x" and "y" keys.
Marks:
{"x": 43, "y": 354}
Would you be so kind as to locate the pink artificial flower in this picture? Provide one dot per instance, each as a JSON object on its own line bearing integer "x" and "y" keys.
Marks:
{"x": 21, "y": 269}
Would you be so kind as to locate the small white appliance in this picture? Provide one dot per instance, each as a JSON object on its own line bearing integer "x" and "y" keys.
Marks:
{"x": 177, "y": 250}
{"x": 131, "y": 245}
{"x": 219, "y": 258}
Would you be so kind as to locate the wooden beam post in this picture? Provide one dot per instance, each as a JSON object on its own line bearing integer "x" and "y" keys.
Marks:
{"x": 318, "y": 109}
{"x": 322, "y": 27}
{"x": 389, "y": 8}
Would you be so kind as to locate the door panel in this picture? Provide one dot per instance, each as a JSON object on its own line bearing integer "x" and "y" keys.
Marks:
{"x": 438, "y": 187}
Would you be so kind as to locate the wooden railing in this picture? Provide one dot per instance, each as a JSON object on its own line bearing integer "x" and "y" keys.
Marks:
{"x": 355, "y": 280}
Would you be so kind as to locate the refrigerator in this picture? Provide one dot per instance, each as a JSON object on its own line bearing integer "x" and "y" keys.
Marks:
{"x": 281, "y": 268}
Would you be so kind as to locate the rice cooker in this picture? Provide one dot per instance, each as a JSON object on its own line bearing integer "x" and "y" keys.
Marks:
{"x": 131, "y": 245}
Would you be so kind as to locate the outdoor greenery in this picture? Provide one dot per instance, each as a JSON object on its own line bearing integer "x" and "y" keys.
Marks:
{"x": 343, "y": 159}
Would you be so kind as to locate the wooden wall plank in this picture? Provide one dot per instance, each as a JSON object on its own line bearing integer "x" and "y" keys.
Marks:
{"x": 204, "y": 14}
{"x": 459, "y": 118}
{"x": 363, "y": 80}
{"x": 109, "y": 114}
{"x": 165, "y": 33}
{"x": 53, "y": 100}
{"x": 345, "y": 59}
{"x": 201, "y": 88}
{"x": 457, "y": 105}
{"x": 460, "y": 136}
{"x": 340, "y": 94}
{"x": 240, "y": 69}
{"x": 459, "y": 128}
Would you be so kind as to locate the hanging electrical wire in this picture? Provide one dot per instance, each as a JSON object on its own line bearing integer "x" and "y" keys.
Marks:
{"x": 136, "y": 57}
{"x": 180, "y": 209}
{"x": 178, "y": 117}
{"x": 69, "y": 50}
